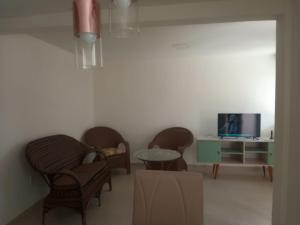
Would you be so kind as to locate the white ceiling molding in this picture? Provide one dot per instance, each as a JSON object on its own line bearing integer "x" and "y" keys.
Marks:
{"x": 177, "y": 14}
{"x": 13, "y": 8}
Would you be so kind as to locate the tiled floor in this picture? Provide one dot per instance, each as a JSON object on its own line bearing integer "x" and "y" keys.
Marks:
{"x": 240, "y": 196}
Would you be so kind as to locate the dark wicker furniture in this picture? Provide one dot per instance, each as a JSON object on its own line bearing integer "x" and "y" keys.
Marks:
{"x": 105, "y": 137}
{"x": 72, "y": 184}
{"x": 175, "y": 138}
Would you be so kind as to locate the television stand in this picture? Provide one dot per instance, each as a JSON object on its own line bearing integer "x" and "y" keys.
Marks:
{"x": 238, "y": 152}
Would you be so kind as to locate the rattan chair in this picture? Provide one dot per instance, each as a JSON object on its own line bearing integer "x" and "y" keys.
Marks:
{"x": 175, "y": 138}
{"x": 104, "y": 138}
{"x": 72, "y": 184}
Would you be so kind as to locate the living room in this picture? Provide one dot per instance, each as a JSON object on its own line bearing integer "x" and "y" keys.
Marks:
{"x": 178, "y": 71}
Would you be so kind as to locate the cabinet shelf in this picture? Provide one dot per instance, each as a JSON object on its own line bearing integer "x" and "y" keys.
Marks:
{"x": 256, "y": 150}
{"x": 237, "y": 151}
{"x": 255, "y": 161}
{"x": 232, "y": 151}
{"x": 227, "y": 160}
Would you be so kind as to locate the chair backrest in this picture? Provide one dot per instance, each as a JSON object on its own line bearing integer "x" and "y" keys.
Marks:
{"x": 54, "y": 153}
{"x": 103, "y": 137}
{"x": 173, "y": 138}
{"x": 168, "y": 198}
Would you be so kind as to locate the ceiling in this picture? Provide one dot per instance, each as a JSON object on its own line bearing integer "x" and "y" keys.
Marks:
{"x": 238, "y": 38}
{"x": 15, "y": 8}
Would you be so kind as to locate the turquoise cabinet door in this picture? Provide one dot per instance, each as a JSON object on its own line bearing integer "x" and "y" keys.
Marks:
{"x": 271, "y": 152}
{"x": 209, "y": 151}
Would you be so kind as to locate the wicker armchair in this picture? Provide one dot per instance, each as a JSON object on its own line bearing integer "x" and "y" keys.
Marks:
{"x": 72, "y": 184}
{"x": 175, "y": 138}
{"x": 108, "y": 138}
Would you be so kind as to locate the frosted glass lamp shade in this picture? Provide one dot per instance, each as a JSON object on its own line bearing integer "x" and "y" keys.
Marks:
{"x": 88, "y": 46}
{"x": 124, "y": 18}
{"x": 88, "y": 50}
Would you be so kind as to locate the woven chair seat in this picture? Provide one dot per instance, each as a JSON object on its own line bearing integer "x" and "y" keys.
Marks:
{"x": 85, "y": 173}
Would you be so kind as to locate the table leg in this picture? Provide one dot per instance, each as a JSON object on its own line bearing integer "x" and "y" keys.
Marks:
{"x": 216, "y": 170}
{"x": 264, "y": 170}
{"x": 270, "y": 169}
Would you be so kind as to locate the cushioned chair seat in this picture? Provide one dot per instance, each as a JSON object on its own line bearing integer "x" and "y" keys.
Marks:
{"x": 113, "y": 151}
{"x": 85, "y": 174}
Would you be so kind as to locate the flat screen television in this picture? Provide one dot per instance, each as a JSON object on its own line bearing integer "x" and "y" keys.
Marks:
{"x": 239, "y": 125}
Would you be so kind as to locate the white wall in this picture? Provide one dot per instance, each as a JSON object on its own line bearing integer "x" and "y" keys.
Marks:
{"x": 213, "y": 11}
{"x": 41, "y": 93}
{"x": 141, "y": 97}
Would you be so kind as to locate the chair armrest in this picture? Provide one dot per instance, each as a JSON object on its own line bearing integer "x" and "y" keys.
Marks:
{"x": 151, "y": 144}
{"x": 181, "y": 149}
{"x": 99, "y": 153}
{"x": 68, "y": 173}
{"x": 127, "y": 146}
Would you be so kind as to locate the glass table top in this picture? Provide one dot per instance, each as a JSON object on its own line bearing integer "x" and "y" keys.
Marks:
{"x": 157, "y": 155}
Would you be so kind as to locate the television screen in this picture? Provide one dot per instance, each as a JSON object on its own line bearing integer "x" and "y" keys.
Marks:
{"x": 238, "y": 125}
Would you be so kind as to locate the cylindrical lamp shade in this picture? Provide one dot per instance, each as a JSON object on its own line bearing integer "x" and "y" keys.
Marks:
{"x": 88, "y": 51}
{"x": 88, "y": 47}
{"x": 124, "y": 17}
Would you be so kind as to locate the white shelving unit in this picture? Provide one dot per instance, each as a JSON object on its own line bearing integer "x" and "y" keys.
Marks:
{"x": 236, "y": 151}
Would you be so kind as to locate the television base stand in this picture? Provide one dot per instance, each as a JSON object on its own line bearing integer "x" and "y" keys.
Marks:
{"x": 219, "y": 152}
{"x": 216, "y": 168}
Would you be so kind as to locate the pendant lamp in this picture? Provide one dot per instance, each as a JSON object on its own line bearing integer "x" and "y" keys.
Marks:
{"x": 123, "y": 17}
{"x": 88, "y": 44}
